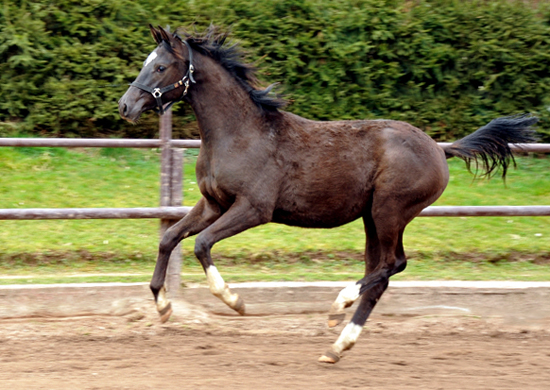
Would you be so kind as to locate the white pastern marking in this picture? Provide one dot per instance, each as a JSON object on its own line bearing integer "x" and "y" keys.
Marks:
{"x": 149, "y": 59}
{"x": 349, "y": 294}
{"x": 162, "y": 301}
{"x": 215, "y": 280}
{"x": 219, "y": 288}
{"x": 347, "y": 338}
{"x": 346, "y": 297}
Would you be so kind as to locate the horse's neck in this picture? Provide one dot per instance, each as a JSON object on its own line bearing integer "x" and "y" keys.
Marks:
{"x": 224, "y": 110}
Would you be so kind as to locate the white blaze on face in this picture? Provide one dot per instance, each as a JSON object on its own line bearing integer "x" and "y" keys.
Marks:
{"x": 150, "y": 59}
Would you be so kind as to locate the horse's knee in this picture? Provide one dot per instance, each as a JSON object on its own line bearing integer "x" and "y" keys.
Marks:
{"x": 168, "y": 241}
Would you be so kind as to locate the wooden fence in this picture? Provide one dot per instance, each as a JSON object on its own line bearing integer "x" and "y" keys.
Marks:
{"x": 171, "y": 194}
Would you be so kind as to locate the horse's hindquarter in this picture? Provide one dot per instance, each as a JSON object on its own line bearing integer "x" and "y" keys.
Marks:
{"x": 413, "y": 171}
{"x": 333, "y": 168}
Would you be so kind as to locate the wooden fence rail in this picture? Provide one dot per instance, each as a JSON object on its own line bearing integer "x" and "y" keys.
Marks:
{"x": 163, "y": 212}
{"x": 101, "y": 143}
{"x": 175, "y": 213}
{"x": 174, "y": 143}
{"x": 171, "y": 197}
{"x": 171, "y": 201}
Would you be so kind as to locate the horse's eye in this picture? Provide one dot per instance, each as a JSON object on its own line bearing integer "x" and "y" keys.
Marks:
{"x": 161, "y": 69}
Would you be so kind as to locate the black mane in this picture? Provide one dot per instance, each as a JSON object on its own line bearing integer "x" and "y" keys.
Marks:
{"x": 229, "y": 55}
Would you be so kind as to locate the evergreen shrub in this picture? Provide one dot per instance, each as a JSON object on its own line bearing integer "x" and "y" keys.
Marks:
{"x": 445, "y": 66}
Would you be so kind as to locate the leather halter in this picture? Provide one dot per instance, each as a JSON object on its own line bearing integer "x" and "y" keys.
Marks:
{"x": 158, "y": 92}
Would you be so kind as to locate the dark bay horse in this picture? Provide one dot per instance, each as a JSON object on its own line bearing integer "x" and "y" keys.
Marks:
{"x": 259, "y": 164}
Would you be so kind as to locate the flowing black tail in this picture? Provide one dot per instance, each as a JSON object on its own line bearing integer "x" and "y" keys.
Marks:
{"x": 488, "y": 146}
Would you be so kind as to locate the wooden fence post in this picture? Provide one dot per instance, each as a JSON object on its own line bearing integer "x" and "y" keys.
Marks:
{"x": 171, "y": 194}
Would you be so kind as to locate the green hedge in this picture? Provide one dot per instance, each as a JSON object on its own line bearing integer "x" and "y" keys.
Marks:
{"x": 446, "y": 66}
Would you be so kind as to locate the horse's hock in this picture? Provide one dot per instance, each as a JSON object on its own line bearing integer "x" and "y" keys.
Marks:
{"x": 522, "y": 303}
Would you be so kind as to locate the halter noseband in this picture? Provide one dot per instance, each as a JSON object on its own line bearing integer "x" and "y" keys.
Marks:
{"x": 158, "y": 92}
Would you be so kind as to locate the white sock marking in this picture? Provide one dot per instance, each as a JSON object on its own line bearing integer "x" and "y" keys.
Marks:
{"x": 219, "y": 288}
{"x": 347, "y": 338}
{"x": 162, "y": 301}
{"x": 349, "y": 294}
{"x": 346, "y": 298}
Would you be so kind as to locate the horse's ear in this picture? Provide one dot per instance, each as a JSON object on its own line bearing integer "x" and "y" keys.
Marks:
{"x": 164, "y": 34}
{"x": 156, "y": 34}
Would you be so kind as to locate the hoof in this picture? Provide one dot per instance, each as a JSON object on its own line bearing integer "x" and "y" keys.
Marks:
{"x": 165, "y": 313}
{"x": 329, "y": 357}
{"x": 335, "y": 319}
{"x": 240, "y": 306}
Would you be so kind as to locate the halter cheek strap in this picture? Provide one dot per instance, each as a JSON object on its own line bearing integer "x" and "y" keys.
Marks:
{"x": 158, "y": 92}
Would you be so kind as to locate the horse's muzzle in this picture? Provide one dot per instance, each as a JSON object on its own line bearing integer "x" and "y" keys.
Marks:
{"x": 131, "y": 105}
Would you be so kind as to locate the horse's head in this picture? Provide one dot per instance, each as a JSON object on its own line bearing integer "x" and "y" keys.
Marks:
{"x": 164, "y": 78}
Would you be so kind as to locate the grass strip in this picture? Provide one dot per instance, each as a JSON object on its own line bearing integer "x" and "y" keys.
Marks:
{"x": 468, "y": 248}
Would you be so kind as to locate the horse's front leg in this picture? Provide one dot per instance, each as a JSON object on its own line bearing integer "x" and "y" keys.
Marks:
{"x": 199, "y": 218}
{"x": 240, "y": 217}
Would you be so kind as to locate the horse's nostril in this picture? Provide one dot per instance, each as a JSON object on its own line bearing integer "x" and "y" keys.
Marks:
{"x": 125, "y": 109}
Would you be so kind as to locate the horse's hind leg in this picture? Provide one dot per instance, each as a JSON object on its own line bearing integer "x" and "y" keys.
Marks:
{"x": 200, "y": 217}
{"x": 353, "y": 329}
{"x": 384, "y": 257}
{"x": 345, "y": 299}
{"x": 351, "y": 293}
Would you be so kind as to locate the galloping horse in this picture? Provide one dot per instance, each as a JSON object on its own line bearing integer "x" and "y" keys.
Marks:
{"x": 259, "y": 164}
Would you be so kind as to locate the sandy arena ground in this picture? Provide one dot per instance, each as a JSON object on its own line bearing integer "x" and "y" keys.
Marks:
{"x": 270, "y": 352}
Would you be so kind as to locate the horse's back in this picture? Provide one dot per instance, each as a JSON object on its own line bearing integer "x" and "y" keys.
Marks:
{"x": 331, "y": 169}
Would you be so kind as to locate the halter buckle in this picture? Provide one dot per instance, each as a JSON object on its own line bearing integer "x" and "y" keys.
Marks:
{"x": 186, "y": 87}
{"x": 156, "y": 93}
